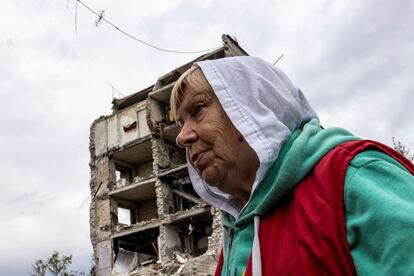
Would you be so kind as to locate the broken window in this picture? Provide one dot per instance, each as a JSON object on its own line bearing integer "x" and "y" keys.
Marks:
{"x": 136, "y": 201}
{"x": 125, "y": 216}
{"x": 137, "y": 211}
{"x": 123, "y": 176}
{"x": 127, "y": 173}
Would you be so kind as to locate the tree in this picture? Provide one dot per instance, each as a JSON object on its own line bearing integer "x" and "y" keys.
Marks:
{"x": 92, "y": 271}
{"x": 58, "y": 266}
{"x": 39, "y": 268}
{"x": 55, "y": 264}
{"x": 401, "y": 148}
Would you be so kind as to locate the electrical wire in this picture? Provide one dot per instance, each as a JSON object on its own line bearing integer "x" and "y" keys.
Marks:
{"x": 139, "y": 40}
{"x": 76, "y": 17}
{"x": 278, "y": 60}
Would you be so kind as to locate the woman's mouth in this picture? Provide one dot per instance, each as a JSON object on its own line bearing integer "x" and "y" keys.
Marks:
{"x": 196, "y": 158}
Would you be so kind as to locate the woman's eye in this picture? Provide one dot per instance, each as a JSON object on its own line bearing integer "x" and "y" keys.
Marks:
{"x": 197, "y": 109}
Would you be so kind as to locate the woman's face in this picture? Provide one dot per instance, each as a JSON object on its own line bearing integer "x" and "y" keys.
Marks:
{"x": 215, "y": 148}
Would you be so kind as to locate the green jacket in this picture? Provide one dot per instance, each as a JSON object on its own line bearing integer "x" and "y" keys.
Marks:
{"x": 379, "y": 203}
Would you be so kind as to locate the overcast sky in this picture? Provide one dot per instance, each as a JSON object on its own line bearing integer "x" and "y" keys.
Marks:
{"x": 354, "y": 60}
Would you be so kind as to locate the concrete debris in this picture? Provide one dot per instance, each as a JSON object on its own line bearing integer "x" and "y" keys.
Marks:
{"x": 125, "y": 262}
{"x": 138, "y": 179}
{"x": 121, "y": 227}
{"x": 181, "y": 257}
{"x": 183, "y": 264}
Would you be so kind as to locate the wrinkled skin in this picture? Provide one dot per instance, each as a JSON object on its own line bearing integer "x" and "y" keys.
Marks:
{"x": 216, "y": 149}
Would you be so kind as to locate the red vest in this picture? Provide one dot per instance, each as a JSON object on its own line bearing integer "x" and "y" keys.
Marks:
{"x": 305, "y": 234}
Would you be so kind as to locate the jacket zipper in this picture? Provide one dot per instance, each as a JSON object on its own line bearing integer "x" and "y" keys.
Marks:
{"x": 229, "y": 244}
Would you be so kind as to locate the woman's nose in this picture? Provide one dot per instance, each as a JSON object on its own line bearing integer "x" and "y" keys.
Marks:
{"x": 186, "y": 137}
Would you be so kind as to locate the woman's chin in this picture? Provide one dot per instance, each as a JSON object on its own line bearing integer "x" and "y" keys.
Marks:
{"x": 211, "y": 177}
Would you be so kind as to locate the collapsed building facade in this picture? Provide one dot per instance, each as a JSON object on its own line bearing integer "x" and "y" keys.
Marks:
{"x": 145, "y": 217}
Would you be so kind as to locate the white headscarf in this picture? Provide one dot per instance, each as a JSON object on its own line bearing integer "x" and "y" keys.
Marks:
{"x": 263, "y": 105}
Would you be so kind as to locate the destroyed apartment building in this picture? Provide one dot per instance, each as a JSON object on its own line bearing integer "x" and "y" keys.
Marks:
{"x": 145, "y": 216}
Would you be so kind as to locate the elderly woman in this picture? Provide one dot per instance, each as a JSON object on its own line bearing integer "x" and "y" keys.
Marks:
{"x": 296, "y": 199}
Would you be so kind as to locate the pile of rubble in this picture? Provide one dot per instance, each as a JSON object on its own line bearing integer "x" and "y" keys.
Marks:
{"x": 135, "y": 264}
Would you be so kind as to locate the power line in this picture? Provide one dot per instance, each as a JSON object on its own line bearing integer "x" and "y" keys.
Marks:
{"x": 278, "y": 59}
{"x": 76, "y": 17}
{"x": 102, "y": 18}
{"x": 114, "y": 89}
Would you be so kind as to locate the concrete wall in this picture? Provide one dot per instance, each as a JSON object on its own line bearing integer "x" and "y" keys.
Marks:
{"x": 112, "y": 132}
{"x": 145, "y": 169}
{"x": 104, "y": 258}
{"x": 101, "y": 137}
{"x": 146, "y": 210}
{"x": 156, "y": 111}
{"x": 171, "y": 241}
{"x": 116, "y": 130}
{"x": 125, "y": 119}
{"x": 143, "y": 129}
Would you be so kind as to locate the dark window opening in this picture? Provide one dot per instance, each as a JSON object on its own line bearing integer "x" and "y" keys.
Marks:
{"x": 127, "y": 173}
{"x": 176, "y": 155}
{"x": 194, "y": 234}
{"x": 144, "y": 242}
{"x": 181, "y": 204}
{"x": 183, "y": 194}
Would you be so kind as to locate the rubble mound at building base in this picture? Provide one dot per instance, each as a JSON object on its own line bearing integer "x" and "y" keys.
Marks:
{"x": 182, "y": 265}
